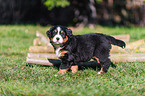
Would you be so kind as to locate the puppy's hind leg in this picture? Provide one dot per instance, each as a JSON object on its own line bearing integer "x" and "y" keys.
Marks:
{"x": 105, "y": 65}
{"x": 98, "y": 61}
{"x": 74, "y": 68}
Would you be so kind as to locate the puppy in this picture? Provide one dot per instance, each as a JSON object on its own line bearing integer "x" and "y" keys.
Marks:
{"x": 72, "y": 49}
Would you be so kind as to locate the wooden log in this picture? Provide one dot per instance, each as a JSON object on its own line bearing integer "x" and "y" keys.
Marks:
{"x": 39, "y": 61}
{"x": 43, "y": 39}
{"x": 55, "y": 62}
{"x": 116, "y": 49}
{"x": 133, "y": 57}
{"x": 42, "y": 55}
{"x": 41, "y": 49}
{"x": 114, "y": 59}
{"x": 130, "y": 47}
{"x": 135, "y": 45}
{"x": 142, "y": 49}
{"x": 37, "y": 42}
{"x": 125, "y": 38}
{"x": 129, "y": 54}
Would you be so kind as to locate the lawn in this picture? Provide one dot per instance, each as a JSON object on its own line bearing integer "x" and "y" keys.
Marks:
{"x": 18, "y": 79}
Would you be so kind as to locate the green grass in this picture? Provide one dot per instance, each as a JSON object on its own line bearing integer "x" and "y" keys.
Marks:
{"x": 18, "y": 79}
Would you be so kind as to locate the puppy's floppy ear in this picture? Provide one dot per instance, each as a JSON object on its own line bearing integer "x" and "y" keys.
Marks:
{"x": 49, "y": 32}
{"x": 69, "y": 32}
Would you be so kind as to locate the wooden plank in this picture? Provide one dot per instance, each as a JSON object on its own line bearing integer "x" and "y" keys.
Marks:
{"x": 116, "y": 49}
{"x": 130, "y": 47}
{"x": 134, "y": 57}
{"x": 42, "y": 55}
{"x": 40, "y": 61}
{"x": 135, "y": 45}
{"x": 142, "y": 49}
{"x": 41, "y": 49}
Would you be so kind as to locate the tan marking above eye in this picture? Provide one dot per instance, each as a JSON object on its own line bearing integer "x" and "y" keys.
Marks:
{"x": 55, "y": 31}
{"x": 61, "y": 32}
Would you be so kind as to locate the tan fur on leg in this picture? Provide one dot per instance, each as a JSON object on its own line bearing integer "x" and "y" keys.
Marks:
{"x": 101, "y": 71}
{"x": 61, "y": 71}
{"x": 97, "y": 59}
{"x": 74, "y": 68}
{"x": 63, "y": 53}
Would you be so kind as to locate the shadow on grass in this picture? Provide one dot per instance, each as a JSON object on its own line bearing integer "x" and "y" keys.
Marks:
{"x": 82, "y": 65}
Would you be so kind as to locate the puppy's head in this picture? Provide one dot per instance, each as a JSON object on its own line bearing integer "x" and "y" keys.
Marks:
{"x": 59, "y": 34}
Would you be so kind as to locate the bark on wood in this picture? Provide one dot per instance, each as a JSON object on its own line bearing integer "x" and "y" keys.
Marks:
{"x": 41, "y": 49}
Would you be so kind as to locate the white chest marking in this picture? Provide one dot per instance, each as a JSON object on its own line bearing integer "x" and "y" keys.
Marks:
{"x": 57, "y": 51}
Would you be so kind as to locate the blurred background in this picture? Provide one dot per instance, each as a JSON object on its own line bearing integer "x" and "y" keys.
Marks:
{"x": 73, "y": 12}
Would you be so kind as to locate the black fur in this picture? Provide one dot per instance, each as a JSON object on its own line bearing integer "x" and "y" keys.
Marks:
{"x": 81, "y": 48}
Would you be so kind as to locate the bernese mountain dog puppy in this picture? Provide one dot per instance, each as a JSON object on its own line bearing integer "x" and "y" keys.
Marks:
{"x": 72, "y": 49}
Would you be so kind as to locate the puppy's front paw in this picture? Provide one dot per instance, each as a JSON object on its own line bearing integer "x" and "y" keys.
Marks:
{"x": 101, "y": 72}
{"x": 74, "y": 68}
{"x": 61, "y": 71}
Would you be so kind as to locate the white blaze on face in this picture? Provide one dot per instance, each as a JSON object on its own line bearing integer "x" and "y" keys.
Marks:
{"x": 58, "y": 38}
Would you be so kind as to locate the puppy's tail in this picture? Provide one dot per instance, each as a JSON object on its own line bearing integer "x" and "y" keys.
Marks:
{"x": 116, "y": 41}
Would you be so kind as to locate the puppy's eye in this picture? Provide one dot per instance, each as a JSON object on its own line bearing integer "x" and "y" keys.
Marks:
{"x": 55, "y": 31}
{"x": 61, "y": 32}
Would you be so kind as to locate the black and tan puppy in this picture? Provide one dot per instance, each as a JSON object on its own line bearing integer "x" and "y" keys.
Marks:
{"x": 72, "y": 49}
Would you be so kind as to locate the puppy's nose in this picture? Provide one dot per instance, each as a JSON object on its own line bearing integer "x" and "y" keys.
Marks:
{"x": 57, "y": 38}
